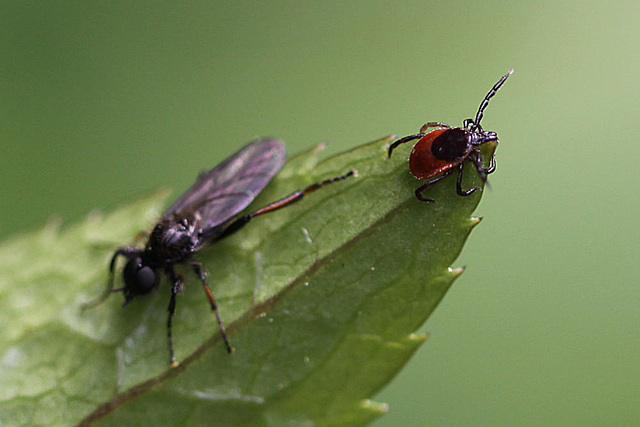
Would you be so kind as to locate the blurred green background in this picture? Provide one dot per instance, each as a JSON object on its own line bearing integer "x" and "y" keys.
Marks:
{"x": 104, "y": 101}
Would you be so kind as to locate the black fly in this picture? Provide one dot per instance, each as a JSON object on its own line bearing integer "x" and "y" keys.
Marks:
{"x": 205, "y": 213}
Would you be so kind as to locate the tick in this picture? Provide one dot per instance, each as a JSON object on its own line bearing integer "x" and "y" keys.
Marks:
{"x": 206, "y": 213}
{"x": 442, "y": 151}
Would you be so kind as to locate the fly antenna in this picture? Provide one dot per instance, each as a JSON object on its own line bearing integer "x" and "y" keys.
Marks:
{"x": 475, "y": 125}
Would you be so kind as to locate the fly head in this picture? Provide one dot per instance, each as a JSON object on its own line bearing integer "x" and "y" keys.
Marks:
{"x": 139, "y": 278}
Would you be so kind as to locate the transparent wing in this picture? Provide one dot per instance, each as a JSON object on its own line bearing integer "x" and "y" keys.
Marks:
{"x": 227, "y": 189}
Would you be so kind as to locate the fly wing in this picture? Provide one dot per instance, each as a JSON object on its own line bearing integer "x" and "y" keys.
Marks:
{"x": 227, "y": 189}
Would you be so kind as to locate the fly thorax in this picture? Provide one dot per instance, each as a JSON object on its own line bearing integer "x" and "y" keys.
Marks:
{"x": 171, "y": 241}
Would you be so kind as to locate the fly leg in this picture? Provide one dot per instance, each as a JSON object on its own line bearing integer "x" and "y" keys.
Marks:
{"x": 286, "y": 201}
{"x": 176, "y": 287}
{"x": 125, "y": 252}
{"x": 197, "y": 268}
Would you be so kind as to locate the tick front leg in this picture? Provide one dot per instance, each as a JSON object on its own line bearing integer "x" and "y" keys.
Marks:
{"x": 197, "y": 268}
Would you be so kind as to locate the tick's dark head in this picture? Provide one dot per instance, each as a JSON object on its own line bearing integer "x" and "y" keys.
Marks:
{"x": 480, "y": 137}
{"x": 139, "y": 278}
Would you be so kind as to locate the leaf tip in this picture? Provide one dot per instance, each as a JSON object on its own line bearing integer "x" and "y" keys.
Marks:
{"x": 378, "y": 407}
{"x": 475, "y": 221}
{"x": 456, "y": 272}
{"x": 417, "y": 338}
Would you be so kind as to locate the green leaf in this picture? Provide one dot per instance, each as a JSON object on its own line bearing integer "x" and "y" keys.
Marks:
{"x": 320, "y": 300}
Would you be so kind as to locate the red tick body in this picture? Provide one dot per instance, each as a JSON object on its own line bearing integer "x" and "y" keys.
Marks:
{"x": 439, "y": 152}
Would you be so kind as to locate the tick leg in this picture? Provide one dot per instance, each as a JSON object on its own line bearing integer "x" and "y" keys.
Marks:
{"x": 176, "y": 287}
{"x": 403, "y": 140}
{"x": 422, "y": 133}
{"x": 459, "y": 183}
{"x": 420, "y": 189}
{"x": 197, "y": 268}
{"x": 286, "y": 201}
{"x": 433, "y": 125}
{"x": 476, "y": 158}
{"x": 420, "y": 196}
{"x": 492, "y": 166}
{"x": 126, "y": 252}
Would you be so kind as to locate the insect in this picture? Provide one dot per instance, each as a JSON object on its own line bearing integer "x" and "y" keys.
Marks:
{"x": 205, "y": 213}
{"x": 440, "y": 152}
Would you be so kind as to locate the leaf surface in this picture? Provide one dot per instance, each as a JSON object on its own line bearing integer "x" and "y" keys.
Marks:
{"x": 321, "y": 301}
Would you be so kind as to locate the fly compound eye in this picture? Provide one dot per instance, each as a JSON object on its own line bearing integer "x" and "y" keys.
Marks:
{"x": 139, "y": 279}
{"x": 146, "y": 279}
